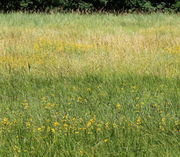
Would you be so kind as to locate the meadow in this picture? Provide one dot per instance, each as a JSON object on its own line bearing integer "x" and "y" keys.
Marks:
{"x": 89, "y": 85}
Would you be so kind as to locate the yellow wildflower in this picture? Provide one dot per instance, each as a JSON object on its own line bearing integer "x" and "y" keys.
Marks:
{"x": 118, "y": 106}
{"x": 138, "y": 121}
{"x": 107, "y": 125}
{"x": 39, "y": 129}
{"x": 5, "y": 121}
{"x": 51, "y": 129}
{"x": 28, "y": 124}
{"x": 81, "y": 152}
{"x": 56, "y": 124}
{"x": 91, "y": 121}
{"x": 105, "y": 140}
{"x": 73, "y": 119}
{"x": 65, "y": 125}
{"x": 25, "y": 104}
{"x": 17, "y": 149}
{"x": 82, "y": 129}
{"x": 77, "y": 132}
{"x": 115, "y": 125}
{"x": 98, "y": 129}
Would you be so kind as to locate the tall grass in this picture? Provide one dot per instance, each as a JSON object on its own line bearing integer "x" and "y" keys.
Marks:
{"x": 89, "y": 85}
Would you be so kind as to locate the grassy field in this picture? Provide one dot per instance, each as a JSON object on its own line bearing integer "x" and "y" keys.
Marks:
{"x": 89, "y": 85}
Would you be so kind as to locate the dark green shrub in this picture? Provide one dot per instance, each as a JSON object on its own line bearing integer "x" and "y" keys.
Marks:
{"x": 177, "y": 6}
{"x": 93, "y": 5}
{"x": 147, "y": 6}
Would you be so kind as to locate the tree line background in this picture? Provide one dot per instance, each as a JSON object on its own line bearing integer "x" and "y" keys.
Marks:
{"x": 89, "y": 5}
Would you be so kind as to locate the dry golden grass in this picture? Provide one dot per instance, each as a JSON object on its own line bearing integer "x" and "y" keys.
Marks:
{"x": 77, "y": 47}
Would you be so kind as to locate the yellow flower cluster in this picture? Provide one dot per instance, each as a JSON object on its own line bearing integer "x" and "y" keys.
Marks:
{"x": 175, "y": 49}
{"x": 15, "y": 62}
{"x": 91, "y": 121}
{"x": 44, "y": 44}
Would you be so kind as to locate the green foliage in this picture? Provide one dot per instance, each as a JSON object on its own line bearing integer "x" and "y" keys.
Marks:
{"x": 177, "y": 6}
{"x": 119, "y": 5}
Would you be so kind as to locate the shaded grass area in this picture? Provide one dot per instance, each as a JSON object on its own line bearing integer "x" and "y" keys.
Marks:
{"x": 19, "y": 85}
